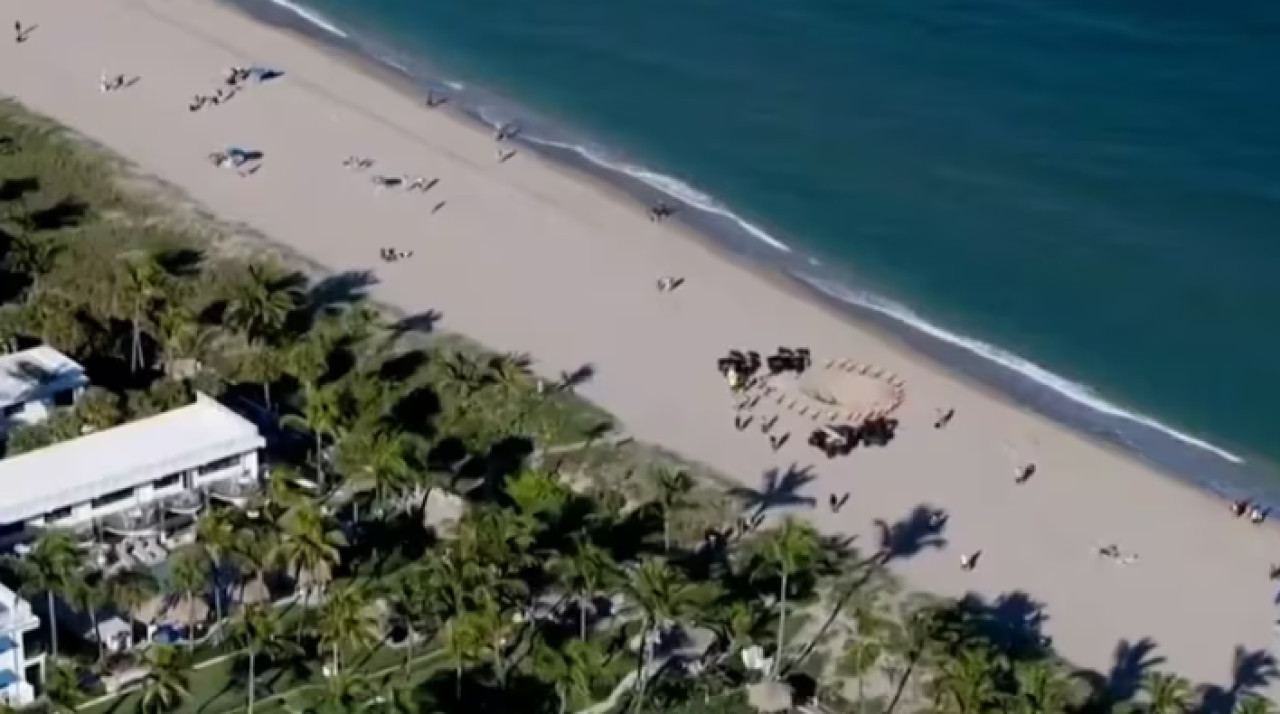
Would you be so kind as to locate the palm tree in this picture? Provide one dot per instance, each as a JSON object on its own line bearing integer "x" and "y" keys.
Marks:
{"x": 32, "y": 256}
{"x": 784, "y": 551}
{"x": 571, "y": 669}
{"x": 665, "y": 597}
{"x": 62, "y": 687}
{"x": 1041, "y": 689}
{"x": 538, "y": 494}
{"x": 167, "y": 682}
{"x": 52, "y": 567}
{"x": 464, "y": 644}
{"x": 1254, "y": 704}
{"x": 310, "y": 544}
{"x": 257, "y": 632}
{"x": 1166, "y": 693}
{"x": 966, "y": 682}
{"x": 342, "y": 693}
{"x": 263, "y": 364}
{"x": 346, "y": 620}
{"x": 674, "y": 488}
{"x": 403, "y": 699}
{"x": 143, "y": 286}
{"x": 860, "y": 657}
{"x": 262, "y": 301}
{"x": 491, "y": 629}
{"x": 738, "y": 624}
{"x": 413, "y": 604}
{"x": 498, "y": 537}
{"x": 585, "y": 572}
{"x": 89, "y": 594}
{"x": 322, "y": 416}
{"x": 378, "y": 460}
{"x": 181, "y": 336}
{"x": 466, "y": 373}
{"x": 218, "y": 533}
{"x": 130, "y": 588}
{"x": 189, "y": 577}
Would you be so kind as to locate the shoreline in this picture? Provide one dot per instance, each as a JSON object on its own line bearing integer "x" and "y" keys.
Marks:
{"x": 531, "y": 276}
{"x": 1185, "y": 458}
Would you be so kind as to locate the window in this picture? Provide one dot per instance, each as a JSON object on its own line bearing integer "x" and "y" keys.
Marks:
{"x": 113, "y": 497}
{"x": 220, "y": 464}
{"x": 13, "y": 410}
{"x": 9, "y": 529}
{"x": 168, "y": 481}
{"x": 65, "y": 398}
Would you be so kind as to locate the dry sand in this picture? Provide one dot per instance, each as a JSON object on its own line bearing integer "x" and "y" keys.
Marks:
{"x": 527, "y": 257}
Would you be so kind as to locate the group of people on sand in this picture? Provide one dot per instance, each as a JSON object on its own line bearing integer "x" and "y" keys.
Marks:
{"x": 199, "y": 101}
{"x": 115, "y": 83}
{"x": 660, "y": 212}
{"x": 742, "y": 367}
{"x": 391, "y": 255}
{"x": 500, "y": 137}
{"x": 841, "y": 439}
{"x": 1113, "y": 552}
{"x": 1257, "y": 514}
{"x": 669, "y": 283}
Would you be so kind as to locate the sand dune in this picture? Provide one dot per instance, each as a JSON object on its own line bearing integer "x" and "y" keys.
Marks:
{"x": 526, "y": 257}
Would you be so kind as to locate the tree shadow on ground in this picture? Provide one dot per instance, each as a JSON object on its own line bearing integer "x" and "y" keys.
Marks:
{"x": 66, "y": 213}
{"x": 921, "y": 529}
{"x": 1131, "y": 662}
{"x": 478, "y": 694}
{"x": 402, "y": 367}
{"x": 1013, "y": 622}
{"x": 780, "y": 489}
{"x": 181, "y": 262}
{"x": 570, "y": 381}
{"x": 18, "y": 188}
{"x": 423, "y": 322}
{"x": 1251, "y": 671}
{"x": 338, "y": 291}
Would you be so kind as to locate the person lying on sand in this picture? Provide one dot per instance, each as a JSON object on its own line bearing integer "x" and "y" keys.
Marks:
{"x": 944, "y": 418}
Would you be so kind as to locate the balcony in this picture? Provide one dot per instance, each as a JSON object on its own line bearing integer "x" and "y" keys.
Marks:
{"x": 136, "y": 523}
{"x": 237, "y": 491}
{"x": 189, "y": 503}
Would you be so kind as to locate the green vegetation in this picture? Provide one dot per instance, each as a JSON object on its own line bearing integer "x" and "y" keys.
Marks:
{"x": 580, "y": 572}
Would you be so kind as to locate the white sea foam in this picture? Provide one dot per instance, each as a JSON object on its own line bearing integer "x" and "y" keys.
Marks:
{"x": 671, "y": 186}
{"x": 310, "y": 16}
{"x": 394, "y": 64}
{"x": 1074, "y": 391}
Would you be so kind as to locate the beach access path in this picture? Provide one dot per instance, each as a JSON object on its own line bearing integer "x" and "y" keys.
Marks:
{"x": 526, "y": 257}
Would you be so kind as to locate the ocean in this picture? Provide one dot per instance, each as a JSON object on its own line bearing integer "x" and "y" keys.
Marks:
{"x": 1076, "y": 202}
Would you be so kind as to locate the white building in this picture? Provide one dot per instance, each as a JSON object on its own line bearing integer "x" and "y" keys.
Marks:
{"x": 128, "y": 472}
{"x": 16, "y": 622}
{"x": 34, "y": 382}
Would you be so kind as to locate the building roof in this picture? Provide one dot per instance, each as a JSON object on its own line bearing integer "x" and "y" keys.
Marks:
{"x": 122, "y": 457}
{"x": 25, "y": 375}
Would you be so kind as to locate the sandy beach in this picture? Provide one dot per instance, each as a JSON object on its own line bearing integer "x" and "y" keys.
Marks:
{"x": 527, "y": 257}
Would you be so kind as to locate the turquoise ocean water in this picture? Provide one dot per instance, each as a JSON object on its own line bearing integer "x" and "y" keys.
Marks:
{"x": 1074, "y": 201}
